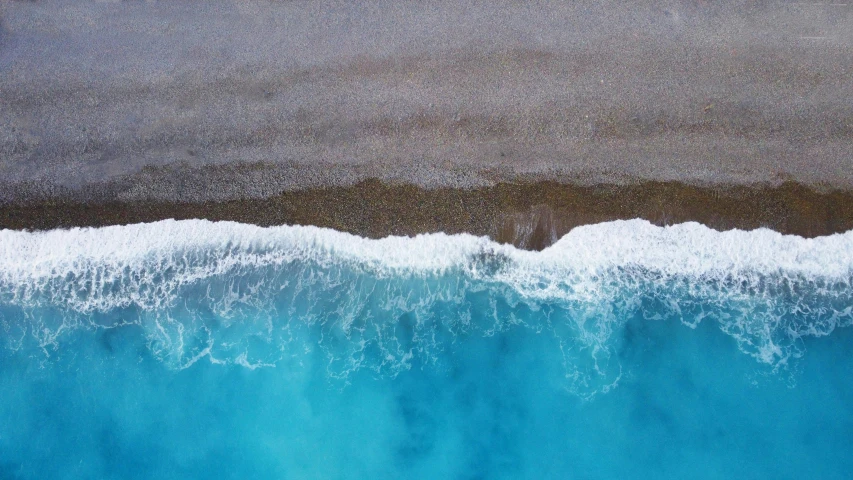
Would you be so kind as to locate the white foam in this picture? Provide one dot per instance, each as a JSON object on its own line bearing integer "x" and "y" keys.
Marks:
{"x": 686, "y": 249}
{"x": 694, "y": 249}
{"x": 596, "y": 273}
{"x": 147, "y": 265}
{"x": 37, "y": 253}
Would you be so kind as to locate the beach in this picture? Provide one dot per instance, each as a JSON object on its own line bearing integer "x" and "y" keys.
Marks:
{"x": 138, "y": 111}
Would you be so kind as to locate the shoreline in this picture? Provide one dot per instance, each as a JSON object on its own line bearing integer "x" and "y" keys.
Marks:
{"x": 510, "y": 120}
{"x": 529, "y": 215}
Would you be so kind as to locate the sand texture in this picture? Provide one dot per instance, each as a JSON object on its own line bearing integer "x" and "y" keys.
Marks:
{"x": 138, "y": 103}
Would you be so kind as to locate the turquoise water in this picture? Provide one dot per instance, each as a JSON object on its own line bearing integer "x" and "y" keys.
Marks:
{"x": 216, "y": 350}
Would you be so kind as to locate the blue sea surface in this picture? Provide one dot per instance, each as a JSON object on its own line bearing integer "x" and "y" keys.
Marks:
{"x": 215, "y": 350}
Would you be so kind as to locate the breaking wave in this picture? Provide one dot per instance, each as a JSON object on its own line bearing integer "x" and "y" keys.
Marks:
{"x": 241, "y": 294}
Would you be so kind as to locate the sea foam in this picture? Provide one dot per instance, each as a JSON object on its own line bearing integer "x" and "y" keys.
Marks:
{"x": 686, "y": 249}
{"x": 173, "y": 278}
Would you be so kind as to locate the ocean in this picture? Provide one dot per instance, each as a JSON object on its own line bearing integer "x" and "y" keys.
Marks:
{"x": 194, "y": 349}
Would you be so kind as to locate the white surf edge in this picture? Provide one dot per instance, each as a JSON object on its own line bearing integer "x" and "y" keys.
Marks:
{"x": 87, "y": 270}
{"x": 689, "y": 249}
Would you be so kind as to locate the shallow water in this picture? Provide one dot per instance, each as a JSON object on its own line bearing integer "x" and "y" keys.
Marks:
{"x": 198, "y": 350}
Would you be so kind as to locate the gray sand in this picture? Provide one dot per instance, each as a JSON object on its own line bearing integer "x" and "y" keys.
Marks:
{"x": 209, "y": 100}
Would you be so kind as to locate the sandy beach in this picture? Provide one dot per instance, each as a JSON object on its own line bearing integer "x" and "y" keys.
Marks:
{"x": 397, "y": 118}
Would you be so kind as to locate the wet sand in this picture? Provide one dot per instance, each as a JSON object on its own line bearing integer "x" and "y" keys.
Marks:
{"x": 529, "y": 215}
